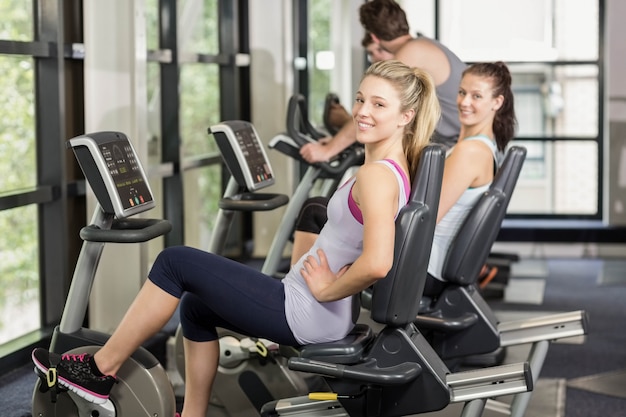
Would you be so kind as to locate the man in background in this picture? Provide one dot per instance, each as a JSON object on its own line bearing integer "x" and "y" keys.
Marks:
{"x": 388, "y": 27}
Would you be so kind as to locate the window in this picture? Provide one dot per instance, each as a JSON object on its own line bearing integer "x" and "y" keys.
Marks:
{"x": 42, "y": 199}
{"x": 17, "y": 20}
{"x": 187, "y": 94}
{"x": 321, "y": 56}
{"x": 199, "y": 109}
{"x": 553, "y": 51}
{"x": 19, "y": 267}
{"x": 19, "y": 272}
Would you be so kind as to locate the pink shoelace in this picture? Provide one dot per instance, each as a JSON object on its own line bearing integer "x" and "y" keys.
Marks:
{"x": 76, "y": 358}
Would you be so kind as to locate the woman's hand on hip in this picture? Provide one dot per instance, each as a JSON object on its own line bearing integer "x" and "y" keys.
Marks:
{"x": 319, "y": 277}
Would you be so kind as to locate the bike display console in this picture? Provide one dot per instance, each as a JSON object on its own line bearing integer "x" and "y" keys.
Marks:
{"x": 113, "y": 171}
{"x": 243, "y": 154}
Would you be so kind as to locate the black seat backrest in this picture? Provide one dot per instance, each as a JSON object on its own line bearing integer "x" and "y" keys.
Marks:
{"x": 395, "y": 299}
{"x": 471, "y": 246}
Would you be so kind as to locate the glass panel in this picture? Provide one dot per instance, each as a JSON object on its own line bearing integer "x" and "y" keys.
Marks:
{"x": 19, "y": 273}
{"x": 152, "y": 24}
{"x": 155, "y": 246}
{"x": 557, "y": 178}
{"x": 199, "y": 107}
{"x": 556, "y": 100}
{"x": 17, "y": 20}
{"x": 579, "y": 85}
{"x": 321, "y": 55}
{"x": 197, "y": 27}
{"x": 154, "y": 112}
{"x": 202, "y": 193}
{"x": 18, "y": 168}
{"x": 539, "y": 31}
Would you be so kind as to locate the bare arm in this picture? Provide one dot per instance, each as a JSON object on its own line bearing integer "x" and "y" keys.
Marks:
{"x": 376, "y": 192}
{"x": 326, "y": 149}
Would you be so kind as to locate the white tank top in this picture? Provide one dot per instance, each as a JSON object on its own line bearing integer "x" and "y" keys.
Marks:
{"x": 448, "y": 226}
{"x": 341, "y": 239}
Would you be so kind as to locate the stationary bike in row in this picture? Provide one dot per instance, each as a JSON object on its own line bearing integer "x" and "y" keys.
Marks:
{"x": 459, "y": 324}
{"x": 395, "y": 371}
{"x": 456, "y": 324}
{"x": 117, "y": 178}
{"x": 113, "y": 171}
{"x": 251, "y": 371}
{"x": 321, "y": 178}
{"x": 423, "y": 373}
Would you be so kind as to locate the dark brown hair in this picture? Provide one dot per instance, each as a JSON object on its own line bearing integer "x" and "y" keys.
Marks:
{"x": 504, "y": 122}
{"x": 367, "y": 40}
{"x": 384, "y": 18}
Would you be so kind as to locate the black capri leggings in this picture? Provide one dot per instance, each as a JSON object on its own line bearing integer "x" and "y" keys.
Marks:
{"x": 218, "y": 292}
{"x": 312, "y": 215}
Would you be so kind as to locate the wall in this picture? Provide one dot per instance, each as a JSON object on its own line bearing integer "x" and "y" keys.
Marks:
{"x": 115, "y": 99}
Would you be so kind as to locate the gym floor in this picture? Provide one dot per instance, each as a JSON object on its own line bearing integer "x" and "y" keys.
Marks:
{"x": 581, "y": 377}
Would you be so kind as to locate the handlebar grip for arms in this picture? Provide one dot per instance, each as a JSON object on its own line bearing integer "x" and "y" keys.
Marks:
{"x": 365, "y": 372}
{"x": 446, "y": 324}
{"x": 352, "y": 156}
{"x": 127, "y": 231}
{"x": 253, "y": 202}
{"x": 297, "y": 117}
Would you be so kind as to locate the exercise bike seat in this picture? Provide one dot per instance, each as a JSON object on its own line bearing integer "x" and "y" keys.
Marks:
{"x": 348, "y": 350}
{"x": 400, "y": 373}
{"x": 480, "y": 229}
{"x": 362, "y": 358}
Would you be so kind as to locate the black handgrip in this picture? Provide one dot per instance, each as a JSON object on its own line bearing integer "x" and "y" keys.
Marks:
{"x": 352, "y": 156}
{"x": 127, "y": 231}
{"x": 253, "y": 202}
{"x": 445, "y": 324}
{"x": 366, "y": 372}
{"x": 297, "y": 118}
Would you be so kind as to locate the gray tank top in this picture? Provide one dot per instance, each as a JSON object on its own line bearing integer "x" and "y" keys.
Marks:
{"x": 341, "y": 239}
{"x": 449, "y": 125}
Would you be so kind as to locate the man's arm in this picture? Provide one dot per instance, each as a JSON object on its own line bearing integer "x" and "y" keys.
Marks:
{"x": 325, "y": 150}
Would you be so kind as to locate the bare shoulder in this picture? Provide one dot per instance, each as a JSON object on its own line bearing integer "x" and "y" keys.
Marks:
{"x": 377, "y": 176}
{"x": 423, "y": 46}
{"x": 473, "y": 156}
{"x": 375, "y": 184}
{"x": 422, "y": 53}
{"x": 374, "y": 170}
{"x": 472, "y": 148}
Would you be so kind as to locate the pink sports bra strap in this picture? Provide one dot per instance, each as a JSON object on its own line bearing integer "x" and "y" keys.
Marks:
{"x": 354, "y": 208}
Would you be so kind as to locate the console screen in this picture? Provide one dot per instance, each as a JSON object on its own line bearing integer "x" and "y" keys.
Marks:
{"x": 126, "y": 173}
{"x": 255, "y": 158}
